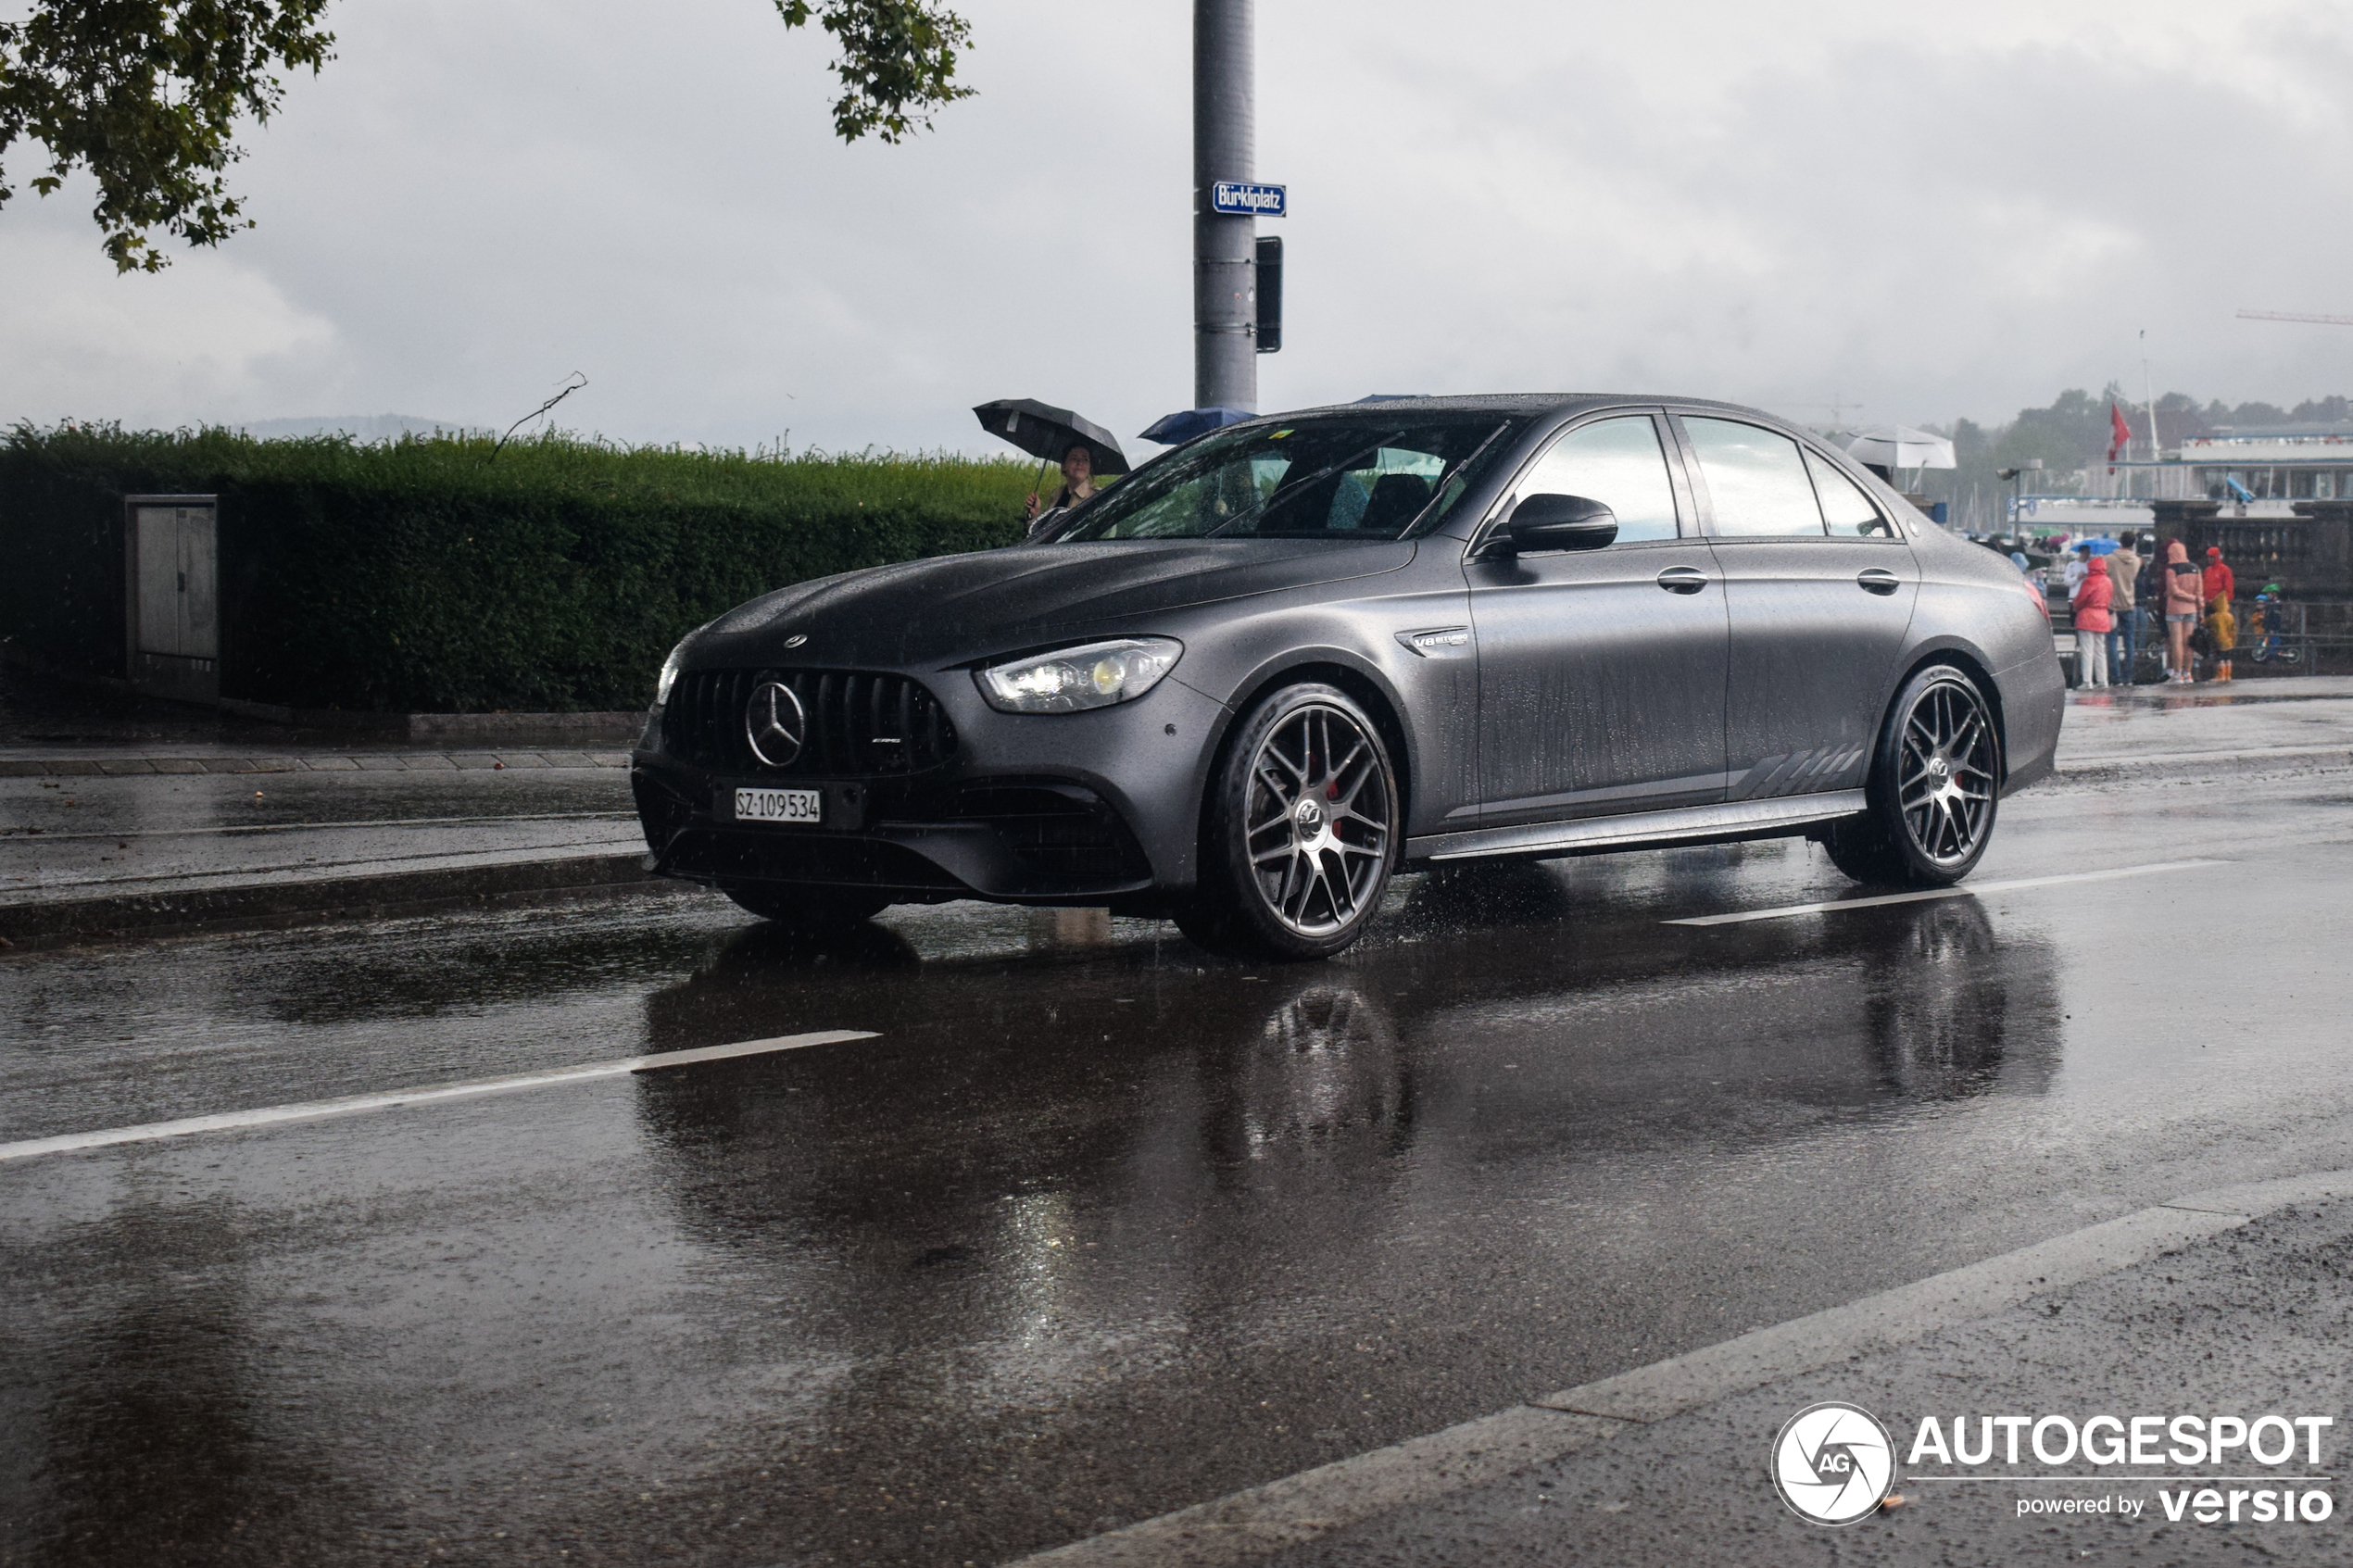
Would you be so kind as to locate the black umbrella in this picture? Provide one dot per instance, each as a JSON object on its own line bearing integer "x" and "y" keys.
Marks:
{"x": 1050, "y": 432}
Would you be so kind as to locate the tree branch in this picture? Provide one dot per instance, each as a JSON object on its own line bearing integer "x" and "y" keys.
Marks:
{"x": 897, "y": 63}
{"x": 144, "y": 94}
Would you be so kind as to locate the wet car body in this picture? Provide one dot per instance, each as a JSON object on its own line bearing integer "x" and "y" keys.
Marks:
{"x": 1709, "y": 685}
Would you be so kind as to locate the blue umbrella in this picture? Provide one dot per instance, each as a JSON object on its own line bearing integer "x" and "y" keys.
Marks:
{"x": 1173, "y": 429}
{"x": 2100, "y": 546}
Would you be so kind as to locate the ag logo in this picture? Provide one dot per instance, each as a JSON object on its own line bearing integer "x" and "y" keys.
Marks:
{"x": 776, "y": 723}
{"x": 1833, "y": 1463}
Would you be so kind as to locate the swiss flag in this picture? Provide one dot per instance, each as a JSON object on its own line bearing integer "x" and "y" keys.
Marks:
{"x": 2120, "y": 432}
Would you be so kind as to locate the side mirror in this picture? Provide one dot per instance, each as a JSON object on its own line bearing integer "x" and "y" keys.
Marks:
{"x": 1560, "y": 522}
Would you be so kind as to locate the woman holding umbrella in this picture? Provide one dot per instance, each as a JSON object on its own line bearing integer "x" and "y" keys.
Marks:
{"x": 1055, "y": 435}
{"x": 1078, "y": 480}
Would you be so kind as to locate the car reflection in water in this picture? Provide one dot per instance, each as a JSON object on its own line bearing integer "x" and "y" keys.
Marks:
{"x": 1108, "y": 1192}
{"x": 1952, "y": 1014}
{"x": 1326, "y": 1068}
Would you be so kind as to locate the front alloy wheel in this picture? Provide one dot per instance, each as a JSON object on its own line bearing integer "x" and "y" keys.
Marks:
{"x": 1301, "y": 832}
{"x": 1934, "y": 784}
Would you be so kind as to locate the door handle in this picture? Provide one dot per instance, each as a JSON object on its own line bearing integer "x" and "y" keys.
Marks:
{"x": 1878, "y": 580}
{"x": 1682, "y": 579}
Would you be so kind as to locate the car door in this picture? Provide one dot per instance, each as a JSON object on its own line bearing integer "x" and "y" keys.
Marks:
{"x": 1820, "y": 585}
{"x": 1601, "y": 672}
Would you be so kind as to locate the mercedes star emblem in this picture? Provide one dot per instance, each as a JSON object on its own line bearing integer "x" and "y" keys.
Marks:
{"x": 776, "y": 723}
{"x": 797, "y": 639}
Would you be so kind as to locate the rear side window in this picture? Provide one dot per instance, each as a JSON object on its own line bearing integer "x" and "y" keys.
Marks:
{"x": 1756, "y": 481}
{"x": 1618, "y": 462}
{"x": 1848, "y": 511}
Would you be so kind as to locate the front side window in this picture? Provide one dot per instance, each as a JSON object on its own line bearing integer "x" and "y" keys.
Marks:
{"x": 1756, "y": 481}
{"x": 1618, "y": 462}
{"x": 1845, "y": 509}
{"x": 1352, "y": 476}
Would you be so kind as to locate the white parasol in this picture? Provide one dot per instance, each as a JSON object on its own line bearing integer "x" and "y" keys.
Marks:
{"x": 1900, "y": 447}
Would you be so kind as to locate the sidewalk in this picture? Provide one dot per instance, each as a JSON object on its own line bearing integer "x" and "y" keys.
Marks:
{"x": 2232, "y": 1302}
{"x": 42, "y": 714}
{"x": 103, "y": 843}
{"x": 2292, "y": 722}
{"x": 122, "y": 815}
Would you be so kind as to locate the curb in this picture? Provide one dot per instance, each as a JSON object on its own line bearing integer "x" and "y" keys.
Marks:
{"x": 63, "y": 922}
{"x": 2299, "y": 758}
{"x": 611, "y": 725}
{"x": 1313, "y": 1503}
{"x": 360, "y": 761}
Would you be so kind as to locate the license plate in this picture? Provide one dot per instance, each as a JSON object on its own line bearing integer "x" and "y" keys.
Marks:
{"x": 780, "y": 806}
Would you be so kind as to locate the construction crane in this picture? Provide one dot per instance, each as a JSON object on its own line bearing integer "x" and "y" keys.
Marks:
{"x": 2292, "y": 316}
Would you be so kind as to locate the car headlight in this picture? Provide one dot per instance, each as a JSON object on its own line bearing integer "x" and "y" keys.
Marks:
{"x": 1091, "y": 675}
{"x": 669, "y": 677}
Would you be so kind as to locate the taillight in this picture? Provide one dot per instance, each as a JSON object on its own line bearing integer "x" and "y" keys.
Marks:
{"x": 2042, "y": 599}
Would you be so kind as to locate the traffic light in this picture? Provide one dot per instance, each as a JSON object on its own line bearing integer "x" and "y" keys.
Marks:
{"x": 1270, "y": 293}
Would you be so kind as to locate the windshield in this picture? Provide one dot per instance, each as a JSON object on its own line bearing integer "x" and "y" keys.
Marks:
{"x": 1346, "y": 477}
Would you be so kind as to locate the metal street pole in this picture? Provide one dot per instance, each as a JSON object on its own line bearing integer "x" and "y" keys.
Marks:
{"x": 1224, "y": 131}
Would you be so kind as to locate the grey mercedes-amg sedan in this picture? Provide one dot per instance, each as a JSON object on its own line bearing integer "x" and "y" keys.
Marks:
{"x": 1273, "y": 667}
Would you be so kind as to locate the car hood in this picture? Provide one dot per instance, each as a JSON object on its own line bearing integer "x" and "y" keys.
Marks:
{"x": 955, "y": 607}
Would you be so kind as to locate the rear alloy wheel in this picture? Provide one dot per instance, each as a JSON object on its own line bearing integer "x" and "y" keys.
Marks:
{"x": 1301, "y": 832}
{"x": 1934, "y": 787}
{"x": 814, "y": 910}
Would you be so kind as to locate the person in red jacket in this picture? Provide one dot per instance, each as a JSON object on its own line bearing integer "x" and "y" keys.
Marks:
{"x": 2094, "y": 621}
{"x": 2221, "y": 585}
{"x": 2178, "y": 600}
{"x": 2217, "y": 579}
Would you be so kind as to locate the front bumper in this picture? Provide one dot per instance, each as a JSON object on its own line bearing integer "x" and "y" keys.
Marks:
{"x": 1093, "y": 807}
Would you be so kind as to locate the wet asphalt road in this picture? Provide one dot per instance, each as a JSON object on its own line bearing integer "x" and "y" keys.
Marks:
{"x": 1096, "y": 1227}
{"x": 78, "y": 837}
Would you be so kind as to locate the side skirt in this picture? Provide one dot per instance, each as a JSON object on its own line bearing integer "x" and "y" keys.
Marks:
{"x": 1643, "y": 830}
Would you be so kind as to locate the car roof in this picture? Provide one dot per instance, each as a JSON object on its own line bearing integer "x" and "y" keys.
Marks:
{"x": 1561, "y": 403}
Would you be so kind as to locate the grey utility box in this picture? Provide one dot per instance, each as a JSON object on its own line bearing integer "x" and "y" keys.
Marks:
{"x": 172, "y": 614}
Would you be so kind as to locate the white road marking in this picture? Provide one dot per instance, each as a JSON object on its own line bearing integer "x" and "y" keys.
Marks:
{"x": 1964, "y": 890}
{"x": 354, "y": 1105}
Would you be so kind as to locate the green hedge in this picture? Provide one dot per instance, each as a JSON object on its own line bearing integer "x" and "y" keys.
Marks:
{"x": 426, "y": 575}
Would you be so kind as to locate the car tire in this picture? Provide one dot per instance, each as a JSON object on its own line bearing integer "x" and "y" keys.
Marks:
{"x": 1300, "y": 830}
{"x": 808, "y": 908}
{"x": 1933, "y": 791}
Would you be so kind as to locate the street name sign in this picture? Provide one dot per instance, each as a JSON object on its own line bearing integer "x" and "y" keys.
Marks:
{"x": 1242, "y": 199}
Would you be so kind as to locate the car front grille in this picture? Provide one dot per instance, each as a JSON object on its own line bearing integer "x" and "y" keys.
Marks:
{"x": 859, "y": 725}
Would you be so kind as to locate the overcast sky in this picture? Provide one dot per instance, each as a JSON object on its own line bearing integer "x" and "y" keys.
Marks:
{"x": 1923, "y": 211}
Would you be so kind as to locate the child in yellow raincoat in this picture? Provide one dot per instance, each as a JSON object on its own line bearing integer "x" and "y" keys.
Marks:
{"x": 2223, "y": 627}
